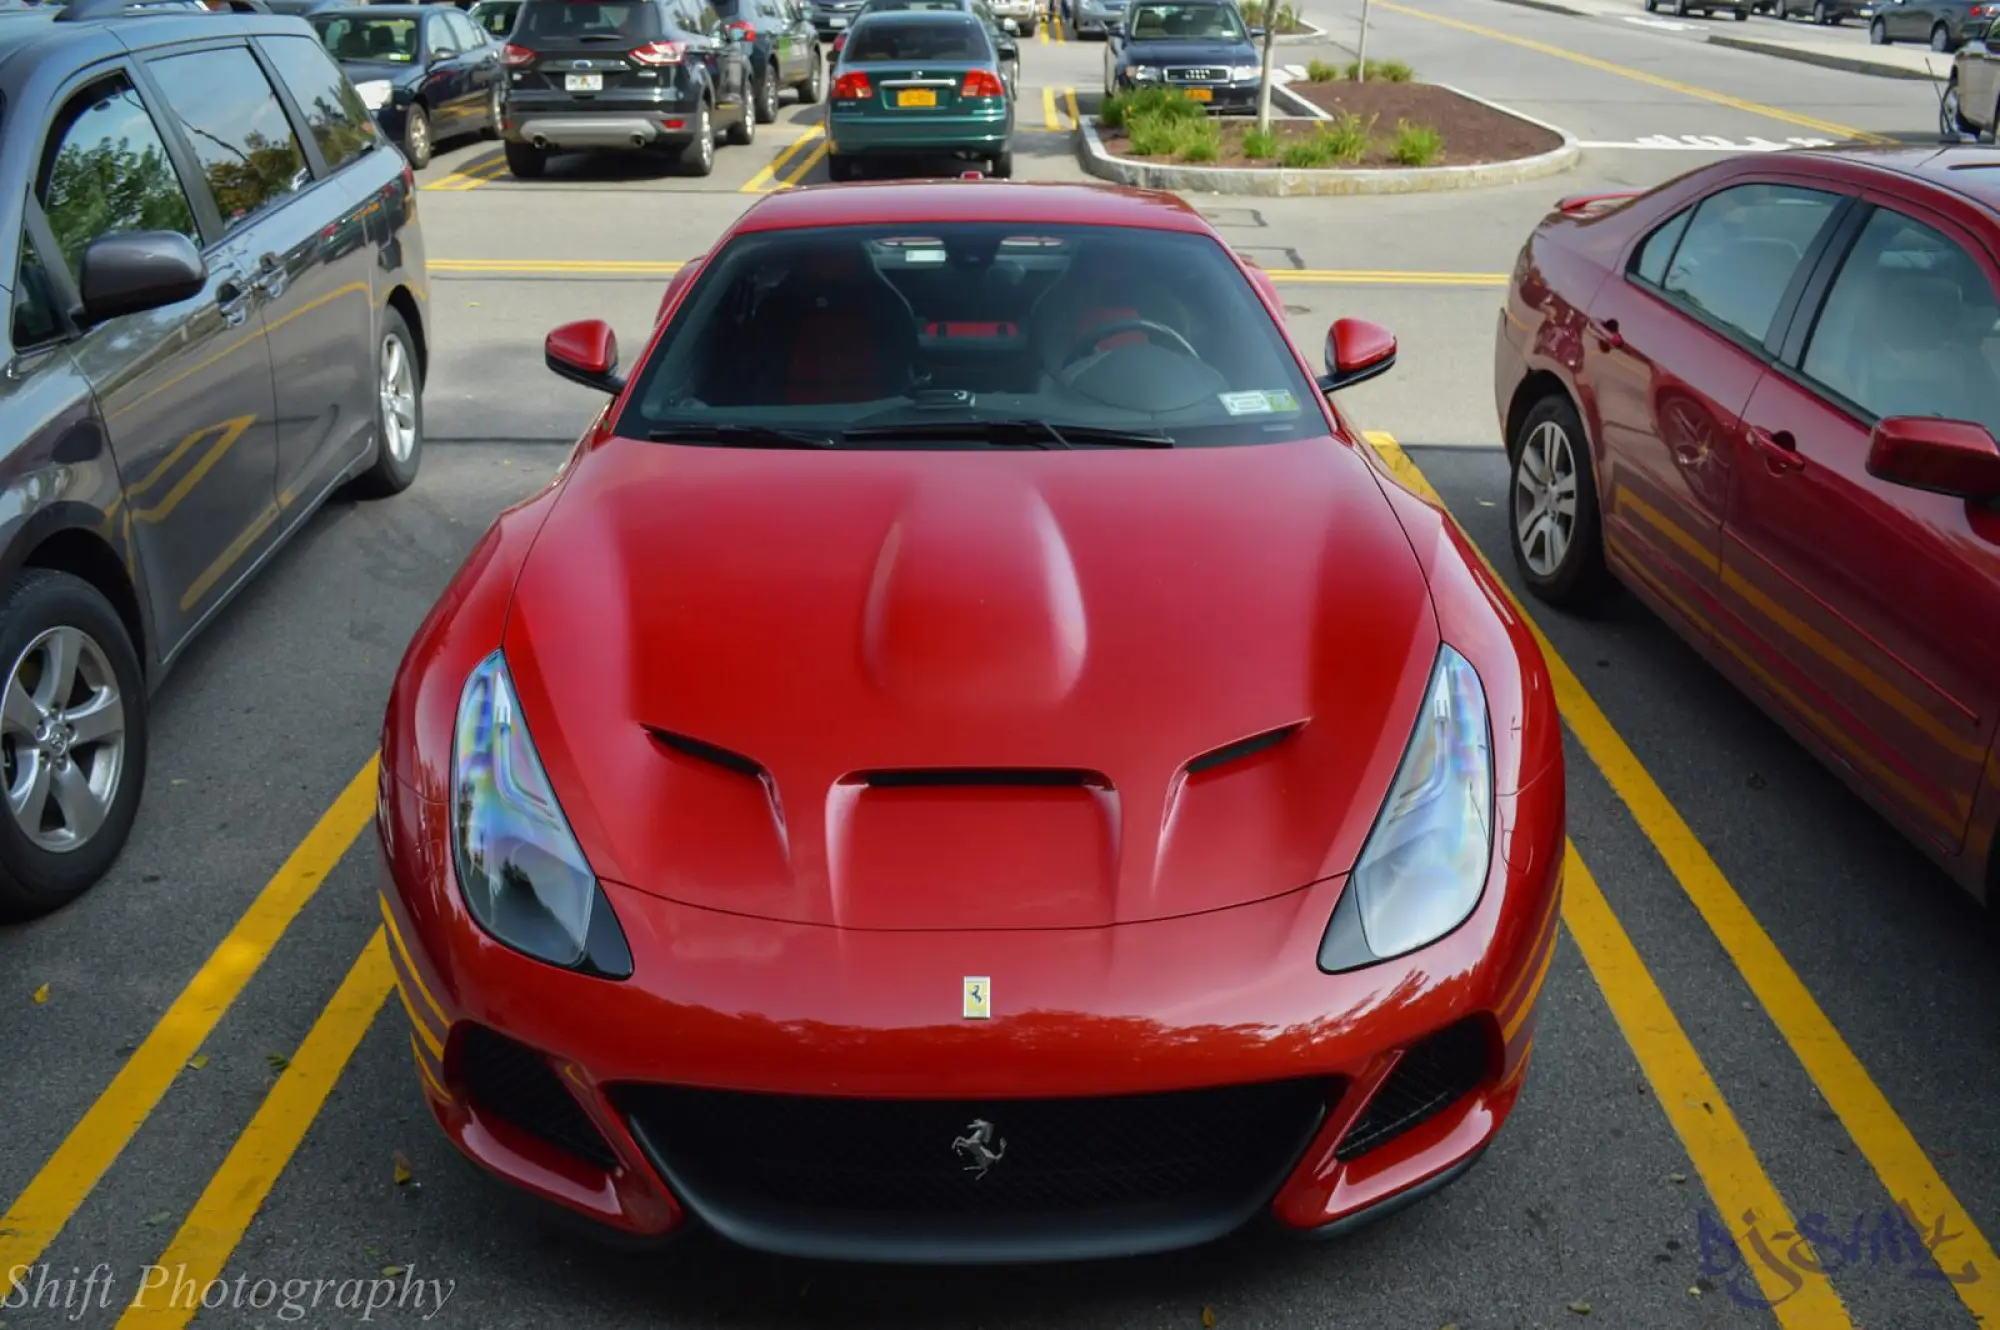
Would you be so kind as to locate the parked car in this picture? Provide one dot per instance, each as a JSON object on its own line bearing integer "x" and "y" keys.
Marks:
{"x": 1682, "y": 8}
{"x": 1945, "y": 24}
{"x": 214, "y": 326}
{"x": 971, "y": 583}
{"x": 1971, "y": 102}
{"x": 1026, "y": 15}
{"x": 1763, "y": 397}
{"x": 1003, "y": 33}
{"x": 783, "y": 51}
{"x": 1094, "y": 18}
{"x": 832, "y": 17}
{"x": 1827, "y": 13}
{"x": 920, "y": 83}
{"x": 1199, "y": 48}
{"x": 650, "y": 76}
{"x": 496, "y": 17}
{"x": 428, "y": 72}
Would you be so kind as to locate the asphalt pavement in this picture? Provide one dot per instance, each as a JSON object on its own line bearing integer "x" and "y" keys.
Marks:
{"x": 1768, "y": 1014}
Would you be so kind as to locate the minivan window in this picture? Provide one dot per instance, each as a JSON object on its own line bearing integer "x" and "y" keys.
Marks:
{"x": 108, "y": 172}
{"x": 588, "y": 21}
{"x": 335, "y": 115}
{"x": 237, "y": 128}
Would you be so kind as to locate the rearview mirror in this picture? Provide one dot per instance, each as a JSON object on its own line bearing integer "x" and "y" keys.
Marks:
{"x": 585, "y": 353}
{"x": 139, "y": 271}
{"x": 1955, "y": 457}
{"x": 1356, "y": 351}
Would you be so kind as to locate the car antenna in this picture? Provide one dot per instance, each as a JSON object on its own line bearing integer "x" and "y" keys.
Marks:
{"x": 1950, "y": 133}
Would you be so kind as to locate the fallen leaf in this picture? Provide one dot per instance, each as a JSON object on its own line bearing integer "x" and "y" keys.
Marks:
{"x": 278, "y": 1061}
{"x": 1580, "y": 1308}
{"x": 1485, "y": 503}
{"x": 1208, "y": 1316}
{"x": 177, "y": 780}
{"x": 392, "y": 1270}
{"x": 198, "y": 1061}
{"x": 158, "y": 1218}
{"x": 371, "y": 1251}
{"x": 1694, "y": 1292}
{"x": 403, "y": 1173}
{"x": 1677, "y": 1178}
{"x": 42, "y": 994}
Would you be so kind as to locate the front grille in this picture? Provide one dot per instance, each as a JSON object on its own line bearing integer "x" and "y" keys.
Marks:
{"x": 1194, "y": 1153}
{"x": 514, "y": 1083}
{"x": 1196, "y": 75}
{"x": 1432, "y": 1076}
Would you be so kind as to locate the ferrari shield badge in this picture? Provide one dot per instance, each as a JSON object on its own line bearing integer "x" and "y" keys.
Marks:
{"x": 978, "y": 997}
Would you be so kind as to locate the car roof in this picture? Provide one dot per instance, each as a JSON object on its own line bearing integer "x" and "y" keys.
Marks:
{"x": 1013, "y": 203}
{"x": 914, "y": 17}
{"x": 34, "y": 35}
{"x": 380, "y": 11}
{"x": 1969, "y": 171}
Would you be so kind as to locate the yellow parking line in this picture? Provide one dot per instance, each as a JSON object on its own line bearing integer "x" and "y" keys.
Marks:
{"x": 471, "y": 177}
{"x": 1640, "y": 76}
{"x": 804, "y": 168}
{"x": 1042, "y": 31}
{"x": 763, "y": 181}
{"x": 96, "y": 1141}
{"x": 1050, "y": 118}
{"x": 212, "y": 1230}
{"x": 1075, "y": 116}
{"x": 1883, "y": 1138}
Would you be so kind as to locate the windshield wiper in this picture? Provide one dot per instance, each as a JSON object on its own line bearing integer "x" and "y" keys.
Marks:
{"x": 1013, "y": 434}
{"x": 743, "y": 436}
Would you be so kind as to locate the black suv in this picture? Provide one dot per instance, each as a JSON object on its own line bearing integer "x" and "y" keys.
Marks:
{"x": 784, "y": 51}
{"x": 634, "y": 75}
{"x": 211, "y": 258}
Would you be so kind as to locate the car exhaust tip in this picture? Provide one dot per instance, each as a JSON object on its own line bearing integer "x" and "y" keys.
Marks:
{"x": 541, "y": 144}
{"x": 638, "y": 140}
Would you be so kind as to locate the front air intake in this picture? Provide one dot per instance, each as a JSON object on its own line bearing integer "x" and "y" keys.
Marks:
{"x": 1432, "y": 1075}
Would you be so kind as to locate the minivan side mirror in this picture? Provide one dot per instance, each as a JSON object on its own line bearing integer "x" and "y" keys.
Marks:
{"x": 137, "y": 271}
{"x": 585, "y": 352}
{"x": 1955, "y": 457}
{"x": 1356, "y": 351}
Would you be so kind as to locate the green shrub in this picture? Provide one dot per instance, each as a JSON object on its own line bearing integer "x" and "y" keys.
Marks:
{"x": 1260, "y": 144}
{"x": 1202, "y": 147}
{"x": 1306, "y": 153}
{"x": 1379, "y": 71}
{"x": 1111, "y": 113}
{"x": 1416, "y": 145}
{"x": 1322, "y": 71}
{"x": 1345, "y": 139}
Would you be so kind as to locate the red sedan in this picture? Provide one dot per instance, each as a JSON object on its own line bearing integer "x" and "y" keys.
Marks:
{"x": 1764, "y": 397}
{"x": 831, "y": 814}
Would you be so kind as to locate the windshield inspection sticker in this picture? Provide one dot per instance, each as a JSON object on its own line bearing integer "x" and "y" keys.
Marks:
{"x": 1258, "y": 403}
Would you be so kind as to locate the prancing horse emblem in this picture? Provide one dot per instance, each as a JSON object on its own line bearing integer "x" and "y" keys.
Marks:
{"x": 979, "y": 1147}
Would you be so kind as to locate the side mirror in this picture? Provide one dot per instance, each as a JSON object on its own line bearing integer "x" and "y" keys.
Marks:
{"x": 139, "y": 271}
{"x": 1356, "y": 351}
{"x": 1955, "y": 457}
{"x": 585, "y": 353}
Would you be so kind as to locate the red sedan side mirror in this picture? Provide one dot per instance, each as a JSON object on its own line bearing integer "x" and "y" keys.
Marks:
{"x": 585, "y": 353}
{"x": 1955, "y": 457}
{"x": 1356, "y": 351}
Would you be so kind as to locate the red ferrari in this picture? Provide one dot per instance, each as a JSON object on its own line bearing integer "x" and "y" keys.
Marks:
{"x": 833, "y": 815}
{"x": 1764, "y": 396}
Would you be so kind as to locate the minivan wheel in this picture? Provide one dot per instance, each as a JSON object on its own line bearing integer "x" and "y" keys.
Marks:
{"x": 815, "y": 84}
{"x": 399, "y": 412}
{"x": 767, "y": 96}
{"x": 1941, "y": 39}
{"x": 1878, "y": 33}
{"x": 698, "y": 158}
{"x": 1553, "y": 522}
{"x": 72, "y": 740}
{"x": 743, "y": 132}
{"x": 417, "y": 137}
{"x": 495, "y": 112}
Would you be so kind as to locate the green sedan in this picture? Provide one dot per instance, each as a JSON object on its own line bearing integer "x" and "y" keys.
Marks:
{"x": 919, "y": 83}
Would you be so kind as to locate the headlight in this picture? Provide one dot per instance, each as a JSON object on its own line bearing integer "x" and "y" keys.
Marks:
{"x": 1142, "y": 74}
{"x": 375, "y": 93}
{"x": 1424, "y": 865}
{"x": 523, "y": 874}
{"x": 1239, "y": 73}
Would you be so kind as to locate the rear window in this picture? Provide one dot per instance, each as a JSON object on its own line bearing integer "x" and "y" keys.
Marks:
{"x": 385, "y": 40}
{"x": 587, "y": 20}
{"x": 901, "y": 41}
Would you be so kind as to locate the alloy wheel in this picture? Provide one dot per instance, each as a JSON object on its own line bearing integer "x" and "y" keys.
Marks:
{"x": 399, "y": 399}
{"x": 62, "y": 737}
{"x": 1545, "y": 499}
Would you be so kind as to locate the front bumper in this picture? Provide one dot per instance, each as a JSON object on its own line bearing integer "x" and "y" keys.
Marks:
{"x": 1223, "y": 98}
{"x": 868, "y": 1025}
{"x": 882, "y": 135}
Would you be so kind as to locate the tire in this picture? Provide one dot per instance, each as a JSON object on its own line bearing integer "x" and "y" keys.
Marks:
{"x": 744, "y": 131}
{"x": 1002, "y": 166}
{"x": 1562, "y": 563}
{"x": 1650, "y": 5}
{"x": 767, "y": 96}
{"x": 1941, "y": 39}
{"x": 494, "y": 111}
{"x": 43, "y": 607}
{"x": 1029, "y": 31}
{"x": 815, "y": 85}
{"x": 1680, "y": 9}
{"x": 399, "y": 412}
{"x": 526, "y": 161}
{"x": 1878, "y": 33}
{"x": 417, "y": 137}
{"x": 839, "y": 169}
{"x": 1742, "y": 16}
{"x": 698, "y": 158}
{"x": 1819, "y": 13}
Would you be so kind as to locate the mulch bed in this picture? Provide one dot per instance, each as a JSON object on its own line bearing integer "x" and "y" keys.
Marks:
{"x": 1472, "y": 131}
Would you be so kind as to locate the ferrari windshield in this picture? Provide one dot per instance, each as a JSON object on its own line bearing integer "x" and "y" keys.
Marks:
{"x": 879, "y": 330}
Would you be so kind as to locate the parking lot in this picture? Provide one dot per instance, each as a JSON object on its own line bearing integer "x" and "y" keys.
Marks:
{"x": 1768, "y": 1015}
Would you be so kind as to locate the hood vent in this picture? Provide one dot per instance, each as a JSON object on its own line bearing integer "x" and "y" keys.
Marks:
{"x": 985, "y": 777}
{"x": 709, "y": 753}
{"x": 1243, "y": 748}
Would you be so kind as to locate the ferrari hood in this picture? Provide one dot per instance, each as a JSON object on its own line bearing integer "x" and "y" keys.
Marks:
{"x": 949, "y": 690}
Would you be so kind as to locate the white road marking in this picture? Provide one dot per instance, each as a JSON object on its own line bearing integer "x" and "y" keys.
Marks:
{"x": 1666, "y": 25}
{"x": 1704, "y": 143}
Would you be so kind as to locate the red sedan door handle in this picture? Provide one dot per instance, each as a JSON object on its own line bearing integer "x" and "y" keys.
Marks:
{"x": 1781, "y": 450}
{"x": 1608, "y": 337}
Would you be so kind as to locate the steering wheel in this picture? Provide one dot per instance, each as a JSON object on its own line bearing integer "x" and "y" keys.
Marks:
{"x": 1158, "y": 333}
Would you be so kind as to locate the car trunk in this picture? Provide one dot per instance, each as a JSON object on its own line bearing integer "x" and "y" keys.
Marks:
{"x": 584, "y": 49}
{"x": 916, "y": 90}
